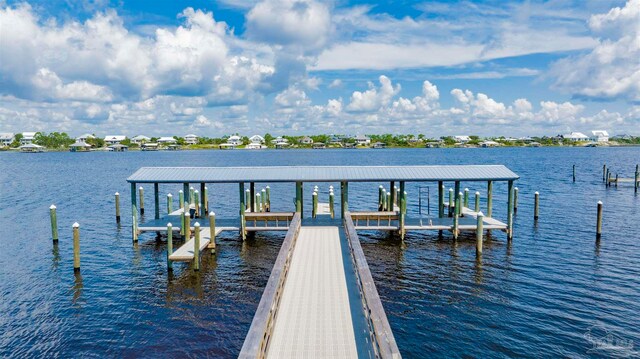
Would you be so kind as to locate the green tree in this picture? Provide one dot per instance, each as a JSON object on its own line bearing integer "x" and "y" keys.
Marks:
{"x": 16, "y": 140}
{"x": 126, "y": 142}
{"x": 268, "y": 138}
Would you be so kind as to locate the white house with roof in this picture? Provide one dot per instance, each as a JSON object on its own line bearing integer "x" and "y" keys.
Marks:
{"x": 114, "y": 139}
{"x": 27, "y": 138}
{"x": 599, "y": 136}
{"x": 281, "y": 142}
{"x": 462, "y": 139}
{"x": 85, "y": 137}
{"x": 140, "y": 139}
{"x": 234, "y": 140}
{"x": 6, "y": 138}
{"x": 166, "y": 140}
{"x": 306, "y": 140}
{"x": 191, "y": 139}
{"x": 362, "y": 140}
{"x": 256, "y": 139}
{"x": 576, "y": 137}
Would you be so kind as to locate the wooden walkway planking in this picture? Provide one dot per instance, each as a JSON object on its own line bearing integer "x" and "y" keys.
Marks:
{"x": 185, "y": 252}
{"x": 314, "y": 316}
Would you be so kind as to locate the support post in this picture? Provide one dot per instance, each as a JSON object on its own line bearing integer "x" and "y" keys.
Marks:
{"x": 331, "y": 204}
{"x": 536, "y": 206}
{"x": 440, "y": 199}
{"x": 181, "y": 199}
{"x": 392, "y": 190}
{"x": 134, "y": 214}
{"x": 344, "y": 198}
{"x": 456, "y": 216}
{"x": 212, "y": 233}
{"x": 169, "y": 203}
{"x": 196, "y": 203}
{"x": 403, "y": 209}
{"x": 54, "y": 223}
{"x": 156, "y": 200}
{"x": 268, "y": 189}
{"x": 252, "y": 196}
{"x": 479, "y": 230}
{"x": 247, "y": 200}
{"x": 243, "y": 207}
{"x": 314, "y": 201}
{"x": 203, "y": 201}
{"x": 636, "y": 179}
{"x": 515, "y": 200}
{"x": 76, "y": 247}
{"x": 205, "y": 204}
{"x": 196, "y": 247}
{"x": 183, "y": 221}
{"x": 466, "y": 197}
{"x": 299, "y": 198}
{"x": 263, "y": 197}
{"x": 616, "y": 180}
{"x": 117, "y": 207}
{"x": 490, "y": 199}
{"x": 574, "y": 173}
{"x": 380, "y": 197}
{"x": 191, "y": 195}
{"x": 187, "y": 193}
{"x": 257, "y": 202}
{"x": 141, "y": 194}
{"x": 599, "y": 221}
{"x": 169, "y": 246}
{"x": 187, "y": 228}
{"x": 477, "y": 204}
{"x": 510, "y": 211}
{"x": 604, "y": 172}
{"x": 451, "y": 199}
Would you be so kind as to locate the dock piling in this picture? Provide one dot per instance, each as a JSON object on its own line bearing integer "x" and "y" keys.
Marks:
{"x": 599, "y": 221}
{"x": 191, "y": 193}
{"x": 604, "y": 172}
{"x": 169, "y": 203}
{"x": 156, "y": 200}
{"x": 252, "y": 196}
{"x": 196, "y": 247}
{"x": 196, "y": 203}
{"x": 515, "y": 200}
{"x": 181, "y": 199}
{"x": 117, "y": 207}
{"x": 183, "y": 217}
{"x": 212, "y": 233}
{"x": 616, "y": 180}
{"x": 636, "y": 179}
{"x": 54, "y": 223}
{"x": 466, "y": 197}
{"x": 76, "y": 247}
{"x": 187, "y": 228}
{"x": 169, "y": 246}
{"x": 141, "y": 194}
{"x": 257, "y": 203}
{"x": 205, "y": 203}
{"x": 380, "y": 198}
{"x": 263, "y": 197}
{"x": 268, "y": 198}
{"x": 574, "y": 173}
{"x": 536, "y": 206}
{"x": 247, "y": 199}
{"x": 314, "y": 200}
{"x": 479, "y": 230}
{"x": 510, "y": 211}
{"x": 331, "y": 203}
{"x": 456, "y": 216}
{"x": 477, "y": 204}
{"x": 134, "y": 214}
{"x": 489, "y": 199}
{"x": 451, "y": 202}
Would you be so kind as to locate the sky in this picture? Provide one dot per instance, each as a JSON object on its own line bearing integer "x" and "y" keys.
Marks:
{"x": 300, "y": 67}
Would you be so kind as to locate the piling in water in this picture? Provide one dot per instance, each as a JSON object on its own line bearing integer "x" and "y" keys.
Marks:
{"x": 156, "y": 200}
{"x": 76, "y": 247}
{"x": 205, "y": 205}
{"x": 466, "y": 197}
{"x": 604, "y": 172}
{"x": 169, "y": 203}
{"x": 181, "y": 198}
{"x": 490, "y": 199}
{"x": 247, "y": 199}
{"x": 479, "y": 230}
{"x": 196, "y": 202}
{"x": 380, "y": 198}
{"x": 536, "y": 206}
{"x": 477, "y": 204}
{"x": 141, "y": 194}
{"x": 574, "y": 173}
{"x": 182, "y": 222}
{"x": 599, "y": 221}
{"x": 187, "y": 227}
{"x": 331, "y": 204}
{"x": 117, "y": 207}
{"x": 268, "y": 198}
{"x": 515, "y": 200}
{"x": 636, "y": 179}
{"x": 257, "y": 203}
{"x": 263, "y": 197}
{"x": 169, "y": 246}
{"x": 314, "y": 209}
{"x": 450, "y": 202}
{"x": 212, "y": 233}
{"x": 54, "y": 223}
{"x": 196, "y": 247}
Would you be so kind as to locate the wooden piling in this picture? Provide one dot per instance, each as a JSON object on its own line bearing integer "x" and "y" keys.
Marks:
{"x": 515, "y": 200}
{"x": 141, "y": 194}
{"x": 243, "y": 208}
{"x": 344, "y": 198}
{"x": 169, "y": 246}
{"x": 479, "y": 230}
{"x": 451, "y": 205}
{"x": 196, "y": 247}
{"x": 186, "y": 192}
{"x": 169, "y": 203}
{"x": 331, "y": 204}
{"x": 212, "y": 233}
{"x": 536, "y": 206}
{"x": 187, "y": 227}
{"x": 54, "y": 223}
{"x": 456, "y": 218}
{"x": 203, "y": 201}
{"x": 76, "y": 247}
{"x": 134, "y": 214}
{"x": 403, "y": 211}
{"x": 252, "y": 196}
{"x": 380, "y": 194}
{"x": 389, "y": 202}
{"x": 181, "y": 199}
{"x": 191, "y": 194}
{"x": 599, "y": 221}
{"x": 489, "y": 199}
{"x": 247, "y": 200}
{"x": 117, "y": 207}
{"x": 392, "y": 192}
{"x": 574, "y": 173}
{"x": 604, "y": 172}
{"x": 257, "y": 202}
{"x": 196, "y": 203}
{"x": 263, "y": 197}
{"x": 183, "y": 217}
{"x": 636, "y": 179}
{"x": 466, "y": 197}
{"x": 205, "y": 204}
{"x": 440, "y": 199}
{"x": 156, "y": 200}
{"x": 510, "y": 210}
{"x": 314, "y": 200}
{"x": 268, "y": 199}
{"x": 477, "y": 204}
{"x": 616, "y": 180}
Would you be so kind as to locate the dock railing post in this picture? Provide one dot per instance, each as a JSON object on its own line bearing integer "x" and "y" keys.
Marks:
{"x": 515, "y": 200}
{"x": 599, "y": 221}
{"x": 117, "y": 207}
{"x": 479, "y": 229}
{"x": 156, "y": 200}
{"x": 169, "y": 246}
{"x": 536, "y": 206}
{"x": 257, "y": 202}
{"x": 510, "y": 211}
{"x": 191, "y": 193}
{"x": 141, "y": 194}
{"x": 76, "y": 247}
{"x": 477, "y": 204}
{"x": 489, "y": 199}
{"x": 54, "y": 223}
{"x": 331, "y": 203}
{"x": 196, "y": 247}
{"x": 212, "y": 233}
{"x": 169, "y": 203}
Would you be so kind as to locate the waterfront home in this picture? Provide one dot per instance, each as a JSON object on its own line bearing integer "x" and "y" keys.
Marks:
{"x": 281, "y": 142}
{"x": 379, "y": 145}
{"x": 31, "y": 148}
{"x": 256, "y": 139}
{"x": 140, "y": 139}
{"x": 462, "y": 139}
{"x": 80, "y": 146}
{"x": 173, "y": 147}
{"x": 306, "y": 140}
{"x": 599, "y": 136}
{"x": 622, "y": 137}
{"x": 362, "y": 140}
{"x": 191, "y": 139}
{"x": 117, "y": 147}
{"x": 6, "y": 139}
{"x": 255, "y": 146}
{"x": 149, "y": 146}
{"x": 27, "y": 138}
{"x": 166, "y": 140}
{"x": 234, "y": 140}
{"x": 433, "y": 144}
{"x": 335, "y": 140}
{"x": 85, "y": 137}
{"x": 319, "y": 146}
{"x": 488, "y": 143}
{"x": 114, "y": 139}
{"x": 534, "y": 144}
{"x": 576, "y": 137}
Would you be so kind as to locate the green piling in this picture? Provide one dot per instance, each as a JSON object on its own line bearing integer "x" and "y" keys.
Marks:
{"x": 466, "y": 197}
{"x": 515, "y": 200}
{"x": 169, "y": 203}
{"x": 263, "y": 197}
{"x": 181, "y": 198}
{"x": 268, "y": 190}
{"x": 247, "y": 200}
{"x": 331, "y": 204}
{"x": 206, "y": 200}
{"x": 183, "y": 217}
{"x": 196, "y": 247}
{"x": 196, "y": 203}
{"x": 451, "y": 202}
{"x": 54, "y": 223}
{"x": 380, "y": 194}
{"x": 169, "y": 246}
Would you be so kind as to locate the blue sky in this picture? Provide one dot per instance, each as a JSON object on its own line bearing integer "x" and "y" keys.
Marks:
{"x": 309, "y": 66}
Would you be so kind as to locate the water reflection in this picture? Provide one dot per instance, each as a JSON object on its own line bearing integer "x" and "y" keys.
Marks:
{"x": 77, "y": 287}
{"x": 55, "y": 260}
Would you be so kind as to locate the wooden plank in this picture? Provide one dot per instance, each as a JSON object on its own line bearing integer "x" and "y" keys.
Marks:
{"x": 185, "y": 253}
{"x": 382, "y": 335}
{"x": 265, "y": 229}
{"x": 323, "y": 209}
{"x": 257, "y": 339}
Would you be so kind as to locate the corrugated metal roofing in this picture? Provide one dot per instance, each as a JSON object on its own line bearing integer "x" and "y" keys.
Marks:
{"x": 321, "y": 174}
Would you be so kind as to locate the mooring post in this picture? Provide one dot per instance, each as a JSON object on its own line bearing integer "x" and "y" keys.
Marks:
{"x": 183, "y": 217}
{"x": 440, "y": 199}
{"x": 205, "y": 205}
{"x": 636, "y": 179}
{"x": 203, "y": 199}
{"x": 515, "y": 200}
{"x": 451, "y": 205}
{"x": 466, "y": 197}
{"x": 76, "y": 247}
{"x": 185, "y": 190}
{"x": 599, "y": 221}
{"x": 477, "y": 204}
{"x": 314, "y": 202}
{"x": 54, "y": 223}
{"x": 134, "y": 214}
{"x": 479, "y": 230}
{"x": 268, "y": 190}
{"x": 181, "y": 199}
{"x": 536, "y": 206}
{"x": 456, "y": 216}
{"x": 403, "y": 211}
{"x": 344, "y": 200}
{"x": 380, "y": 194}
{"x": 247, "y": 200}
{"x": 616, "y": 180}
{"x": 156, "y": 200}
{"x": 390, "y": 203}
{"x": 574, "y": 173}
{"x": 331, "y": 203}
{"x": 299, "y": 197}
{"x": 191, "y": 195}
{"x": 257, "y": 202}
{"x": 243, "y": 208}
{"x": 510, "y": 211}
{"x": 169, "y": 203}
{"x": 117, "y": 207}
{"x": 141, "y": 194}
{"x": 397, "y": 195}
{"x": 392, "y": 192}
{"x": 252, "y": 196}
{"x": 212, "y": 232}
{"x": 196, "y": 247}
{"x": 169, "y": 246}
{"x": 608, "y": 178}
{"x": 263, "y": 197}
{"x": 187, "y": 228}
{"x": 604, "y": 172}
{"x": 196, "y": 203}
{"x": 489, "y": 199}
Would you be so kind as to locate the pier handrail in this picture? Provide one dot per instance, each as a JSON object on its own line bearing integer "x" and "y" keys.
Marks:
{"x": 380, "y": 331}
{"x": 257, "y": 340}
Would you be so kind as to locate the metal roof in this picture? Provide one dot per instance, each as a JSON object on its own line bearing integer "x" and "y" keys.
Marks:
{"x": 321, "y": 174}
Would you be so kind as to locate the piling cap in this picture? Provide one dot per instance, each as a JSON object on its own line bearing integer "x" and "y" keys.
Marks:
{"x": 117, "y": 194}
{"x": 169, "y": 224}
{"x": 466, "y": 189}
{"x": 480, "y": 214}
{"x": 268, "y": 187}
{"x": 212, "y": 213}
{"x": 477, "y": 193}
{"x": 247, "y": 190}
{"x": 196, "y": 191}
{"x": 600, "y": 202}
{"x": 180, "y": 191}
{"x": 381, "y": 186}
{"x": 53, "y": 206}
{"x": 197, "y": 224}
{"x": 315, "y": 193}
{"x": 76, "y": 225}
{"x": 536, "y": 192}
{"x": 169, "y": 195}
{"x": 140, "y": 187}
{"x": 263, "y": 190}
{"x": 516, "y": 188}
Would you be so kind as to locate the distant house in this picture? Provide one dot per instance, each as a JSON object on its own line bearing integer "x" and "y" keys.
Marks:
{"x": 27, "y": 138}
{"x": 191, "y": 139}
{"x": 140, "y": 139}
{"x": 362, "y": 140}
{"x": 149, "y": 146}
{"x": 166, "y": 140}
{"x": 6, "y": 138}
{"x": 31, "y": 148}
{"x": 255, "y": 146}
{"x": 85, "y": 137}
{"x": 281, "y": 142}
{"x": 256, "y": 139}
{"x": 319, "y": 146}
{"x": 462, "y": 139}
{"x": 80, "y": 146}
{"x": 114, "y": 140}
{"x": 306, "y": 140}
{"x": 116, "y": 147}
{"x": 234, "y": 140}
{"x": 489, "y": 143}
{"x": 379, "y": 145}
{"x": 576, "y": 137}
{"x": 335, "y": 140}
{"x": 599, "y": 136}
{"x": 622, "y": 137}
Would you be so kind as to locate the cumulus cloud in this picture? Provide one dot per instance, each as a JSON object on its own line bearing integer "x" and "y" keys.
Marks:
{"x": 612, "y": 69}
{"x": 373, "y": 98}
{"x": 292, "y": 97}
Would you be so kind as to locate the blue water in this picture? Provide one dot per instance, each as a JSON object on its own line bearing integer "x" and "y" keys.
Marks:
{"x": 551, "y": 292}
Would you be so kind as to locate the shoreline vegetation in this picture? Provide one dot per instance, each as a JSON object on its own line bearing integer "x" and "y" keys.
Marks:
{"x": 57, "y": 141}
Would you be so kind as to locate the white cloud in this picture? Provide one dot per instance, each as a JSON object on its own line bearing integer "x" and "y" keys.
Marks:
{"x": 292, "y": 97}
{"x": 373, "y": 98}
{"x": 612, "y": 70}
